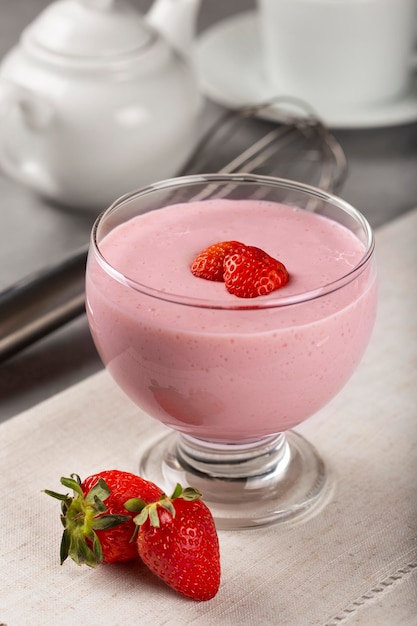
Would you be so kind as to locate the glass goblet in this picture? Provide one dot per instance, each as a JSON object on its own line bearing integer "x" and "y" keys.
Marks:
{"x": 232, "y": 377}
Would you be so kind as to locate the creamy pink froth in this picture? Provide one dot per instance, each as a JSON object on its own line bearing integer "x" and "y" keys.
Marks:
{"x": 161, "y": 247}
{"x": 230, "y": 375}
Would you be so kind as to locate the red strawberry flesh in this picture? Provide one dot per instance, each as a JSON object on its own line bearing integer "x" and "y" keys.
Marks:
{"x": 117, "y": 545}
{"x": 247, "y": 271}
{"x": 182, "y": 551}
{"x": 250, "y": 272}
{"x": 208, "y": 263}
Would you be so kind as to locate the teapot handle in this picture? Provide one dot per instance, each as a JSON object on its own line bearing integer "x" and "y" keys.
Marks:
{"x": 101, "y": 5}
{"x": 36, "y": 115}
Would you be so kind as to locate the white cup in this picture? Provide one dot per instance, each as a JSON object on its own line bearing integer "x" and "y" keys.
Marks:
{"x": 338, "y": 52}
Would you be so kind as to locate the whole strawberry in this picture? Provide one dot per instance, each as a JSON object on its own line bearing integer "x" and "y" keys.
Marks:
{"x": 177, "y": 540}
{"x": 97, "y": 526}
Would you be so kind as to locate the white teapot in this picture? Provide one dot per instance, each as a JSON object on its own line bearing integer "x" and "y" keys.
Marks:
{"x": 96, "y": 100}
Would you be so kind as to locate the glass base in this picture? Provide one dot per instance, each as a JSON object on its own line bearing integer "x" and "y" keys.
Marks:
{"x": 276, "y": 479}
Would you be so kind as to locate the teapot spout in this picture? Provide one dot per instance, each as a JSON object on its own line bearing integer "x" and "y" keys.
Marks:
{"x": 176, "y": 22}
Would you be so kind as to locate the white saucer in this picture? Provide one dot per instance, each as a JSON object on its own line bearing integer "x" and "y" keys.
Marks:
{"x": 229, "y": 67}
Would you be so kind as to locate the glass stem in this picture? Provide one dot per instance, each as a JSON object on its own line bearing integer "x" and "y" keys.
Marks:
{"x": 234, "y": 461}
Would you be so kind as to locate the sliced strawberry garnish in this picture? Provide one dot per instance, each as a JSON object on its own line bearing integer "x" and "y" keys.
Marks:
{"x": 250, "y": 272}
{"x": 247, "y": 271}
{"x": 208, "y": 264}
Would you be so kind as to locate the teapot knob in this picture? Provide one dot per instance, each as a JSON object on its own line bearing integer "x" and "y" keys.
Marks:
{"x": 175, "y": 20}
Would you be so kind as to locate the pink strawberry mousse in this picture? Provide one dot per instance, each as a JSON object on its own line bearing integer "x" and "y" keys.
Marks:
{"x": 225, "y": 373}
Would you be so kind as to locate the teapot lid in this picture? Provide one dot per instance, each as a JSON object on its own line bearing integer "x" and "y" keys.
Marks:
{"x": 80, "y": 28}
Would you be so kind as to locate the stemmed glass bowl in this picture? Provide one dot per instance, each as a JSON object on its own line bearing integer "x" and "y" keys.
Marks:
{"x": 232, "y": 377}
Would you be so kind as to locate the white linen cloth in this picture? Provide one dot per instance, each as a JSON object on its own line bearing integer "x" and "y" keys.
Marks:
{"x": 355, "y": 563}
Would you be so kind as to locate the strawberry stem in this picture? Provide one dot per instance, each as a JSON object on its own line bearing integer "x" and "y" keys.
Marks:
{"x": 81, "y": 516}
{"x": 150, "y": 511}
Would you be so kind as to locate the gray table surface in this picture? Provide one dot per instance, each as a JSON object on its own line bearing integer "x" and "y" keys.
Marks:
{"x": 34, "y": 234}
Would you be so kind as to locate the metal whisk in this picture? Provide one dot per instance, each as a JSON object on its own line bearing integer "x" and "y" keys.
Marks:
{"x": 299, "y": 147}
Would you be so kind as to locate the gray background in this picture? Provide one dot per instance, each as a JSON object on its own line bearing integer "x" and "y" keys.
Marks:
{"x": 34, "y": 234}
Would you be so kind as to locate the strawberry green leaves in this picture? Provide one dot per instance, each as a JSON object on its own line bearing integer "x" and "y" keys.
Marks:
{"x": 81, "y": 517}
{"x": 150, "y": 511}
{"x": 97, "y": 526}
